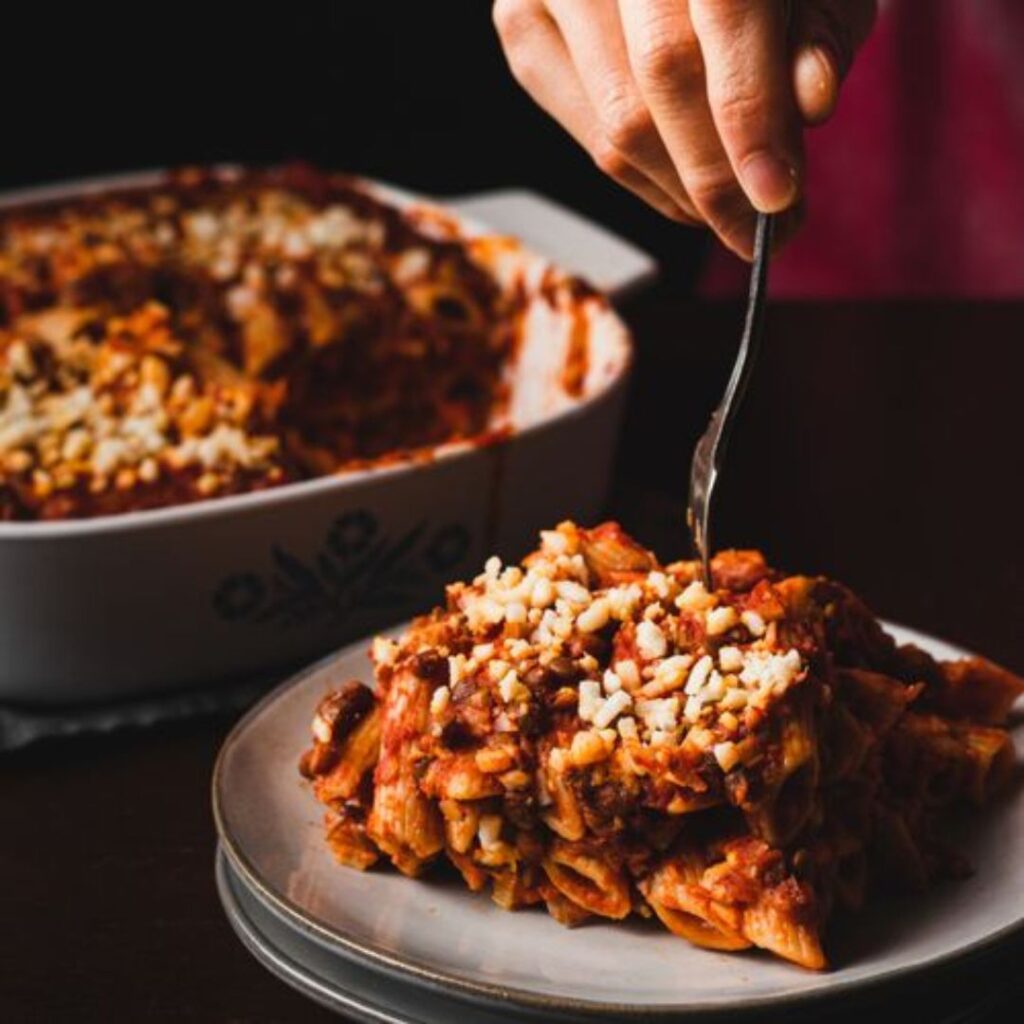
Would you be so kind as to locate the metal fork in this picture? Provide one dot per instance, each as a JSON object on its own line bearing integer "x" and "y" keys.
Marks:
{"x": 709, "y": 454}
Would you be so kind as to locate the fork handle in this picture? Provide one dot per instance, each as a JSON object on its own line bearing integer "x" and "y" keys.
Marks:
{"x": 710, "y": 451}
{"x": 753, "y": 329}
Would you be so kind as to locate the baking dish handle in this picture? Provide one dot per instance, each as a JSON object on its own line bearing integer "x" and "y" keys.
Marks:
{"x": 568, "y": 239}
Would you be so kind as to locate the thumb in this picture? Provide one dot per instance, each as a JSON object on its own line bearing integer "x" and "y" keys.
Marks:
{"x": 825, "y": 39}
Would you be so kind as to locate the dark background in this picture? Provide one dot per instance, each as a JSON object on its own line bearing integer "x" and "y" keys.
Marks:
{"x": 880, "y": 442}
{"x": 414, "y": 93}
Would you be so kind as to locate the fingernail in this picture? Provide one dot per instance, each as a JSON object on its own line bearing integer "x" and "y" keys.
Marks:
{"x": 815, "y": 75}
{"x": 769, "y": 181}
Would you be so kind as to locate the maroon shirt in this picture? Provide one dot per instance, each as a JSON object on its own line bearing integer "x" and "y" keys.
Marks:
{"x": 916, "y": 187}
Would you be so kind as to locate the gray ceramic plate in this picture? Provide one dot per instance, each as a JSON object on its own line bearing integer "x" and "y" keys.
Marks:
{"x": 362, "y": 994}
{"x": 436, "y": 935}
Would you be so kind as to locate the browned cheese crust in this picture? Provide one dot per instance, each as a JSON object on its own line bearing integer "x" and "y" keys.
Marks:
{"x": 227, "y": 332}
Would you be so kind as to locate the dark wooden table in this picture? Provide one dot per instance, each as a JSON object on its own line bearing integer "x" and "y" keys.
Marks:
{"x": 881, "y": 444}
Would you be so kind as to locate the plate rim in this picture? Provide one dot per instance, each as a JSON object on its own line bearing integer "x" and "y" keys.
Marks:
{"x": 282, "y": 966}
{"x": 495, "y": 994}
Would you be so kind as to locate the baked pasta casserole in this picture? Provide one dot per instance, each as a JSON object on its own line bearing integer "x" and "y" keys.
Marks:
{"x": 601, "y": 735}
{"x": 231, "y": 331}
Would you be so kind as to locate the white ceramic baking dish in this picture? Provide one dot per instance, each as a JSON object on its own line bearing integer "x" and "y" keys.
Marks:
{"x": 98, "y": 609}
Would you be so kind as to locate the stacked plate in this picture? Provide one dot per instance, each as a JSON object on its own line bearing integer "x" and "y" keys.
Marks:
{"x": 378, "y": 947}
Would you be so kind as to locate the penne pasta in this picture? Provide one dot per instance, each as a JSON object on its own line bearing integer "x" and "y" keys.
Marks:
{"x": 587, "y": 878}
{"x": 403, "y": 822}
{"x": 603, "y": 735}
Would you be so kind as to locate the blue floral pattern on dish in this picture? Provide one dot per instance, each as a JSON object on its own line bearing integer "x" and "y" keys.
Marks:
{"x": 357, "y": 567}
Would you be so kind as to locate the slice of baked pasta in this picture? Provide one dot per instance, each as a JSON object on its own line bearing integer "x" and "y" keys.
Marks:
{"x": 601, "y": 734}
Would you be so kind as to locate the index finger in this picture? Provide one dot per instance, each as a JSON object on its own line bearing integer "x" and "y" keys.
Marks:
{"x": 665, "y": 56}
{"x": 750, "y": 92}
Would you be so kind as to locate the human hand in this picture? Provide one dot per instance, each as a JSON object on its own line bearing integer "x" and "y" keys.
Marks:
{"x": 697, "y": 106}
